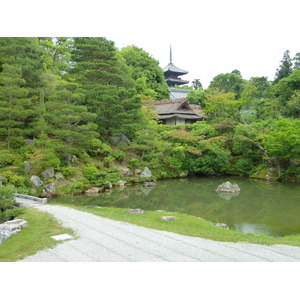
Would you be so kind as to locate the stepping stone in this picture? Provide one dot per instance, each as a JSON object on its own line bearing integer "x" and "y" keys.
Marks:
{"x": 62, "y": 237}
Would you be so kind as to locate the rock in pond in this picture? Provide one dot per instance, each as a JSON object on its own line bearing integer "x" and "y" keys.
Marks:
{"x": 149, "y": 184}
{"x": 227, "y": 187}
{"x": 93, "y": 190}
{"x": 136, "y": 211}
{"x": 146, "y": 173}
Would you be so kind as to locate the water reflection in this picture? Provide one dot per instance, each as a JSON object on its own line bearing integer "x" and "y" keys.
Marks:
{"x": 260, "y": 207}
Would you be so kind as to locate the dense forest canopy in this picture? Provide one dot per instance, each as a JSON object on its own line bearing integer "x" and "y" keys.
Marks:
{"x": 63, "y": 100}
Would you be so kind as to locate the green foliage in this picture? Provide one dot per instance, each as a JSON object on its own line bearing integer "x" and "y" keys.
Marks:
{"x": 285, "y": 69}
{"x": 146, "y": 71}
{"x": 90, "y": 172}
{"x": 6, "y": 158}
{"x": 228, "y": 83}
{"x": 15, "y": 180}
{"x": 7, "y": 199}
{"x": 68, "y": 171}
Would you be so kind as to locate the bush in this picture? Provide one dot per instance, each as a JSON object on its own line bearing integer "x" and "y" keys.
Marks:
{"x": 17, "y": 181}
{"x": 90, "y": 172}
{"x": 68, "y": 171}
{"x": 118, "y": 155}
{"x": 6, "y": 158}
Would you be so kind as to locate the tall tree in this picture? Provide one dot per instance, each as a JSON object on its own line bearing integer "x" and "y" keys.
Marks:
{"x": 107, "y": 85}
{"x": 285, "y": 69}
{"x": 142, "y": 65}
{"x": 20, "y": 79}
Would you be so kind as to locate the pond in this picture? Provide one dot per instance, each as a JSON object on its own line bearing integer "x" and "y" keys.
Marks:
{"x": 261, "y": 207}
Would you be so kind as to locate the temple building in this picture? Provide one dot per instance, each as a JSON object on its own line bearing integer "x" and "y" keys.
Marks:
{"x": 172, "y": 78}
{"x": 177, "y": 112}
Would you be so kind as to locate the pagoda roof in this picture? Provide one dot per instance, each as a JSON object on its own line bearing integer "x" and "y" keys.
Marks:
{"x": 174, "y": 81}
{"x": 170, "y": 68}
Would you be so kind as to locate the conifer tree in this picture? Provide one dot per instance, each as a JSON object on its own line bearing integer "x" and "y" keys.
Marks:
{"x": 107, "y": 85}
{"x": 285, "y": 69}
{"x": 20, "y": 73}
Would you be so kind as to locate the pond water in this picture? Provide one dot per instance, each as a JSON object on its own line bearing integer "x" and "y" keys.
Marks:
{"x": 270, "y": 208}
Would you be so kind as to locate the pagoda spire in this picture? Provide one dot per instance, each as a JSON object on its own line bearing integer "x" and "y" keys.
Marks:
{"x": 170, "y": 54}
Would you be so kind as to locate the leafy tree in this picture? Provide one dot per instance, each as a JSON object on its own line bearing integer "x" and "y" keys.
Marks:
{"x": 285, "y": 69}
{"x": 228, "y": 82}
{"x": 197, "y": 97}
{"x": 285, "y": 89}
{"x": 196, "y": 84}
{"x": 142, "y": 65}
{"x": 283, "y": 142}
{"x": 108, "y": 88}
{"x": 56, "y": 53}
{"x": 263, "y": 86}
{"x": 220, "y": 105}
{"x": 293, "y": 105}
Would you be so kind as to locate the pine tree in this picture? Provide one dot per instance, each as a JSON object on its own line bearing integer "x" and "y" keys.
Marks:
{"x": 107, "y": 85}
{"x": 285, "y": 69}
{"x": 21, "y": 69}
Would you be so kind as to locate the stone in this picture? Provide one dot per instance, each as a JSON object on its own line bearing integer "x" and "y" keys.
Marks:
{"x": 11, "y": 227}
{"x": 62, "y": 237}
{"x": 36, "y": 181}
{"x": 121, "y": 183}
{"x": 59, "y": 176}
{"x": 120, "y": 139}
{"x": 50, "y": 189}
{"x": 136, "y": 211}
{"x": 28, "y": 166}
{"x": 93, "y": 190}
{"x": 168, "y": 218}
{"x": 146, "y": 173}
{"x": 149, "y": 184}
{"x": 74, "y": 158}
{"x": 222, "y": 225}
{"x": 137, "y": 171}
{"x": 48, "y": 173}
{"x": 227, "y": 187}
{"x": 126, "y": 172}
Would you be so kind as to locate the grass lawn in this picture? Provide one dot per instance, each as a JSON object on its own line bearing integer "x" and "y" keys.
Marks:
{"x": 187, "y": 225}
{"x": 32, "y": 238}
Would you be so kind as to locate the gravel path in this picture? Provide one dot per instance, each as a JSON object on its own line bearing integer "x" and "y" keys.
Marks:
{"x": 106, "y": 240}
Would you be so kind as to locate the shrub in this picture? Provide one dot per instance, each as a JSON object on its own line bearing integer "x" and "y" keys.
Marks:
{"x": 118, "y": 155}
{"x": 68, "y": 171}
{"x": 90, "y": 172}
{"x": 6, "y": 158}
{"x": 15, "y": 180}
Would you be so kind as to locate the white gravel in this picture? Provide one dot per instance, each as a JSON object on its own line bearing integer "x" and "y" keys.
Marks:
{"x": 105, "y": 240}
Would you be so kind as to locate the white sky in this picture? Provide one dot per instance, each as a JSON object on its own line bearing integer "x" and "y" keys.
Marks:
{"x": 208, "y": 37}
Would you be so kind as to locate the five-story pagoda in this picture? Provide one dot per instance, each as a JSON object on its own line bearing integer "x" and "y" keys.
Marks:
{"x": 172, "y": 73}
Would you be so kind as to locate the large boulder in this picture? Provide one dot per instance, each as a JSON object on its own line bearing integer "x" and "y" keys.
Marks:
{"x": 36, "y": 181}
{"x": 49, "y": 190}
{"x": 48, "y": 173}
{"x": 228, "y": 187}
{"x": 146, "y": 173}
